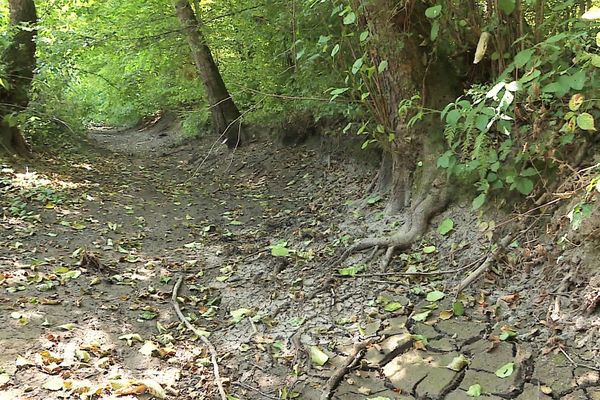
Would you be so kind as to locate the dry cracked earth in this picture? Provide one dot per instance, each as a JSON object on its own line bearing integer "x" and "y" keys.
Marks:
{"x": 93, "y": 240}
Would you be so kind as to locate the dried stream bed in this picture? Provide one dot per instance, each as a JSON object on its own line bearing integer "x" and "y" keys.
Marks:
{"x": 92, "y": 242}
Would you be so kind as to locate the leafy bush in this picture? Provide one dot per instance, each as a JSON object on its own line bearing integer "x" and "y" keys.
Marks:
{"x": 518, "y": 130}
{"x": 195, "y": 123}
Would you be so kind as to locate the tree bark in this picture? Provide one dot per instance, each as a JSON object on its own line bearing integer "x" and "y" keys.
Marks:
{"x": 19, "y": 63}
{"x": 412, "y": 70}
{"x": 224, "y": 112}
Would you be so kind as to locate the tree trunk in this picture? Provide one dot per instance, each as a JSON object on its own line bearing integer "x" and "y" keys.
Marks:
{"x": 19, "y": 63}
{"x": 409, "y": 159}
{"x": 225, "y": 115}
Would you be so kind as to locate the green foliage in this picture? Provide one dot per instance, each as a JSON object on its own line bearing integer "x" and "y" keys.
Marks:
{"x": 513, "y": 132}
{"x": 194, "y": 123}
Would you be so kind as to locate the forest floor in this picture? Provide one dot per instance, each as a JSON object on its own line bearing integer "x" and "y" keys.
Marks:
{"x": 94, "y": 239}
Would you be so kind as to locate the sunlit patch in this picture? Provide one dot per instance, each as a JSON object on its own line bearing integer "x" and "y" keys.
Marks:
{"x": 86, "y": 166}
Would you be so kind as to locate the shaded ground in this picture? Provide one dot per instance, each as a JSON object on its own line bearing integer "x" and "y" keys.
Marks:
{"x": 92, "y": 244}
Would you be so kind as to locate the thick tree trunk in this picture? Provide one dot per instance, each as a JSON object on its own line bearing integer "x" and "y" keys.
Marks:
{"x": 225, "y": 115}
{"x": 412, "y": 70}
{"x": 19, "y": 63}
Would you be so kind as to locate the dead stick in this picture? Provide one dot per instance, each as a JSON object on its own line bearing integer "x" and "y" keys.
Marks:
{"x": 576, "y": 364}
{"x": 207, "y": 343}
{"x": 472, "y": 277}
{"x": 353, "y": 358}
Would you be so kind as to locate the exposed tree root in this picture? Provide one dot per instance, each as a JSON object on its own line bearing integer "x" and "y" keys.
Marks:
{"x": 432, "y": 204}
{"x": 207, "y": 343}
{"x": 487, "y": 263}
{"x": 353, "y": 359}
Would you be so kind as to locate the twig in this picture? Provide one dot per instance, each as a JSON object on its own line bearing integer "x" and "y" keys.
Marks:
{"x": 352, "y": 359}
{"x": 472, "y": 277}
{"x": 249, "y": 387}
{"x": 207, "y": 343}
{"x": 576, "y": 364}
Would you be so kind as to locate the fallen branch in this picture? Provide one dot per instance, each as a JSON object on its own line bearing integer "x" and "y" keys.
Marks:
{"x": 207, "y": 343}
{"x": 493, "y": 256}
{"x": 353, "y": 358}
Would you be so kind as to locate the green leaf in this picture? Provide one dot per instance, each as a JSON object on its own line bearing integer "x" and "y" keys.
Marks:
{"x": 523, "y": 57}
{"x": 374, "y": 199}
{"x": 335, "y": 50}
{"x": 240, "y": 314}
{"x": 433, "y": 12}
{"x": 382, "y": 66}
{"x": 364, "y": 35}
{"x": 458, "y": 308}
{"x": 349, "y": 18}
{"x": 452, "y": 117}
{"x": 506, "y": 370}
{"x": 357, "y": 66}
{"x": 474, "y": 390}
{"x": 393, "y": 306}
{"x": 428, "y": 249}
{"x": 280, "y": 250}
{"x": 556, "y": 38}
{"x": 148, "y": 315}
{"x": 508, "y": 6}
{"x": 317, "y": 356}
{"x": 422, "y": 316}
{"x": 577, "y": 80}
{"x": 553, "y": 87}
{"x": 507, "y": 334}
{"x": 446, "y": 226}
{"x": 529, "y": 172}
{"x": 351, "y": 271}
{"x": 435, "y": 30}
{"x": 585, "y": 121}
{"x": 523, "y": 185}
{"x": 435, "y": 296}
{"x": 338, "y": 91}
{"x": 481, "y": 122}
{"x": 478, "y": 201}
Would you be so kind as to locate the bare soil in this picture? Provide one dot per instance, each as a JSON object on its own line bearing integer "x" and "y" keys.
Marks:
{"x": 93, "y": 241}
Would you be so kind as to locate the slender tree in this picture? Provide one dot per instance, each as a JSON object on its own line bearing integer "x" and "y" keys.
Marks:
{"x": 19, "y": 64}
{"x": 225, "y": 114}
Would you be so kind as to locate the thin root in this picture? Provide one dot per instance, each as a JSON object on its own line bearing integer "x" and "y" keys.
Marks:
{"x": 207, "y": 343}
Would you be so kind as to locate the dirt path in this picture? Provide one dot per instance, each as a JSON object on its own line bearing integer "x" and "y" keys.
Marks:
{"x": 92, "y": 244}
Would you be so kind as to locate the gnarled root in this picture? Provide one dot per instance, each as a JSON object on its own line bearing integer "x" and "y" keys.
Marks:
{"x": 422, "y": 211}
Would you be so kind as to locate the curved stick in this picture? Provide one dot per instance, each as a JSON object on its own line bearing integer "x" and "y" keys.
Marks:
{"x": 207, "y": 343}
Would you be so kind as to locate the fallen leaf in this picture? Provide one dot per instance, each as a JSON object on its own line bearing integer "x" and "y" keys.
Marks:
{"x": 148, "y": 348}
{"x": 458, "y": 308}
{"x": 4, "y": 379}
{"x": 54, "y": 383}
{"x": 458, "y": 363}
{"x": 474, "y": 390}
{"x": 66, "y": 327}
{"x": 506, "y": 370}
{"x": 317, "y": 356}
{"x": 131, "y": 337}
{"x": 446, "y": 314}
{"x": 422, "y": 316}
{"x": 239, "y": 314}
{"x": 435, "y": 296}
